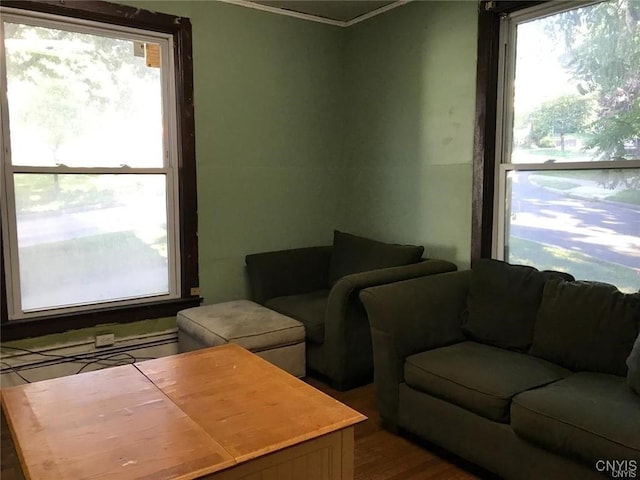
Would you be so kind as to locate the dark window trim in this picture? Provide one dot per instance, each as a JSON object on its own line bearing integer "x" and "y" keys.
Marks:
{"x": 484, "y": 147}
{"x": 180, "y": 29}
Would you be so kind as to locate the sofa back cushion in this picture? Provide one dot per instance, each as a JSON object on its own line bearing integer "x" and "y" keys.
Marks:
{"x": 503, "y": 302}
{"x": 586, "y": 326}
{"x": 354, "y": 254}
{"x": 633, "y": 366}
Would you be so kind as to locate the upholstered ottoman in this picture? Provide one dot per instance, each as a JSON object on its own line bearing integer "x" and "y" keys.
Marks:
{"x": 270, "y": 335}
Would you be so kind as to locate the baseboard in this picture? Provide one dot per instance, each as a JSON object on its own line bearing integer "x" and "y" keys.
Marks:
{"x": 18, "y": 367}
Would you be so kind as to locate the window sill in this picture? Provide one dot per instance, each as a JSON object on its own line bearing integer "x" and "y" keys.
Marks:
{"x": 19, "y": 329}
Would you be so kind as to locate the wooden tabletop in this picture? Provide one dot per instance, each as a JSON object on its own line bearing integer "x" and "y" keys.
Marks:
{"x": 109, "y": 424}
{"x": 248, "y": 405}
{"x": 178, "y": 417}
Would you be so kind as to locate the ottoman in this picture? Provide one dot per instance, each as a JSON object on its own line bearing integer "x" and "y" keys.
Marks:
{"x": 270, "y": 335}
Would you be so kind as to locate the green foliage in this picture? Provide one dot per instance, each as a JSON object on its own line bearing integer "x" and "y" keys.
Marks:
{"x": 566, "y": 114}
{"x": 631, "y": 196}
{"x": 546, "y": 142}
{"x": 603, "y": 53}
{"x": 97, "y": 62}
{"x": 43, "y": 192}
{"x": 62, "y": 84}
{"x": 55, "y": 96}
{"x": 629, "y": 179}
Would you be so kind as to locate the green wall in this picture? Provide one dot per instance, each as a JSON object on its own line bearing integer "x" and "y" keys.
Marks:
{"x": 269, "y": 121}
{"x": 411, "y": 84}
{"x": 303, "y": 127}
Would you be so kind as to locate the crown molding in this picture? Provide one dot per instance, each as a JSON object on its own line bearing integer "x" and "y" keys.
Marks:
{"x": 378, "y": 11}
{"x": 315, "y": 18}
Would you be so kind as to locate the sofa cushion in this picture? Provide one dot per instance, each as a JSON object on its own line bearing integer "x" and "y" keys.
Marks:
{"x": 633, "y": 366}
{"x": 353, "y": 254}
{"x": 502, "y": 303}
{"x": 308, "y": 308}
{"x": 480, "y": 378}
{"x": 586, "y": 326}
{"x": 587, "y": 416}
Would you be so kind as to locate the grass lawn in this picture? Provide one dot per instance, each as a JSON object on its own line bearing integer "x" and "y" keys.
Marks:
{"x": 555, "y": 183}
{"x": 631, "y": 196}
{"x": 556, "y": 153}
{"x": 99, "y": 267}
{"x": 582, "y": 267}
{"x": 563, "y": 180}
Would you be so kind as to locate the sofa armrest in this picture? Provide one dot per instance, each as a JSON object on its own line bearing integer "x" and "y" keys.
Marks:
{"x": 341, "y": 292}
{"x": 347, "y": 331}
{"x": 288, "y": 272}
{"x": 410, "y": 317}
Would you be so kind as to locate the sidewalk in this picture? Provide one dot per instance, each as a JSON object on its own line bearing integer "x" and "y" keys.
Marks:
{"x": 586, "y": 190}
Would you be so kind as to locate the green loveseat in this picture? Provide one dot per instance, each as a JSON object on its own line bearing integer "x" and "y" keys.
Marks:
{"x": 525, "y": 373}
{"x": 319, "y": 287}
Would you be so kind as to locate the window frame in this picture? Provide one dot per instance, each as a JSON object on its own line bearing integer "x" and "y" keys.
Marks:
{"x": 505, "y": 118}
{"x": 485, "y": 122}
{"x": 486, "y": 137}
{"x": 179, "y": 29}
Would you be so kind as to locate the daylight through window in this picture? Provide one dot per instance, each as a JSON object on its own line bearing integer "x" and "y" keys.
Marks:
{"x": 89, "y": 166}
{"x": 568, "y": 176}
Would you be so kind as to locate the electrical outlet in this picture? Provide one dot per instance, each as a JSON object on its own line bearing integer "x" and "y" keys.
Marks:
{"x": 105, "y": 339}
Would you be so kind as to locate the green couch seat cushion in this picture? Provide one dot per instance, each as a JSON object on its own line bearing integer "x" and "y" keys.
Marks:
{"x": 586, "y": 326}
{"x": 354, "y": 254}
{"x": 588, "y": 416}
{"x": 477, "y": 377}
{"x": 307, "y": 308}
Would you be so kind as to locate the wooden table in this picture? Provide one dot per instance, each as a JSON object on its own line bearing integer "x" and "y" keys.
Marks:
{"x": 220, "y": 413}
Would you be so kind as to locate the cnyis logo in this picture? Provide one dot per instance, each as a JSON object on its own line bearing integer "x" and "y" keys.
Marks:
{"x": 618, "y": 468}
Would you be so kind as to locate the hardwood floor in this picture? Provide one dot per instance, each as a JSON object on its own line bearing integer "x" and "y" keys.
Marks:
{"x": 9, "y": 463}
{"x": 382, "y": 455}
{"x": 379, "y": 454}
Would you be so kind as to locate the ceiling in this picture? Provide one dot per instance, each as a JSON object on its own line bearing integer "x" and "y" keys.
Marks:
{"x": 342, "y": 11}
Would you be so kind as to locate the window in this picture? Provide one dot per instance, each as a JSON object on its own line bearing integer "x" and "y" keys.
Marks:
{"x": 97, "y": 145}
{"x": 566, "y": 185}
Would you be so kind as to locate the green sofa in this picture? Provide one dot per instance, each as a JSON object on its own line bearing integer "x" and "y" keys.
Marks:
{"x": 528, "y": 374}
{"x": 319, "y": 287}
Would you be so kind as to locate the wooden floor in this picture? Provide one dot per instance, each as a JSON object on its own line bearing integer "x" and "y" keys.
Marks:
{"x": 379, "y": 454}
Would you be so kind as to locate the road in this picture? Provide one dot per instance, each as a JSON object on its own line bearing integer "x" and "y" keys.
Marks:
{"x": 609, "y": 231}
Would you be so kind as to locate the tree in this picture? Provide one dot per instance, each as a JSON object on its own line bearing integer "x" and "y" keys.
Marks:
{"x": 562, "y": 115}
{"x": 603, "y": 53}
{"x": 61, "y": 82}
{"x": 99, "y": 61}
{"x": 56, "y": 110}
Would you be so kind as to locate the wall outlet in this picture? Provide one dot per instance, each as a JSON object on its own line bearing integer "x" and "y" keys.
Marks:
{"x": 105, "y": 339}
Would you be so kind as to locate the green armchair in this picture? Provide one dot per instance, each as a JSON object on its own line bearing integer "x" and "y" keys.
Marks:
{"x": 314, "y": 285}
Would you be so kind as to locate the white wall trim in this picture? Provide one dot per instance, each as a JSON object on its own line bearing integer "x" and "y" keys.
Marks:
{"x": 85, "y": 346}
{"x": 380, "y": 10}
{"x": 314, "y": 18}
{"x": 52, "y": 361}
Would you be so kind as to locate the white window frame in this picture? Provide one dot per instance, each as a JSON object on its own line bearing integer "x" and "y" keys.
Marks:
{"x": 169, "y": 168}
{"x": 504, "y": 123}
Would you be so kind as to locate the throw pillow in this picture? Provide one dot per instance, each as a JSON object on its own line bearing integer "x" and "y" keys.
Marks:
{"x": 633, "y": 365}
{"x": 586, "y": 326}
{"x": 354, "y": 254}
{"x": 502, "y": 303}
